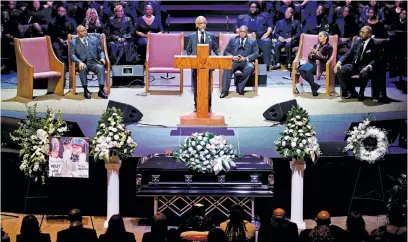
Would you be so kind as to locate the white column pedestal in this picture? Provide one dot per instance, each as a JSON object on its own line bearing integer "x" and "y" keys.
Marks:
{"x": 113, "y": 190}
{"x": 298, "y": 168}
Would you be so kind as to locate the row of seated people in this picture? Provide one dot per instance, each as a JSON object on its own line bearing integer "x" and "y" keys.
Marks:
{"x": 236, "y": 229}
{"x": 127, "y": 37}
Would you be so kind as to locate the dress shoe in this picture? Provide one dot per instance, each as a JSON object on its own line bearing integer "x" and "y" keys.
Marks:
{"x": 361, "y": 97}
{"x": 275, "y": 67}
{"x": 87, "y": 94}
{"x": 223, "y": 94}
{"x": 241, "y": 93}
{"x": 102, "y": 94}
{"x": 195, "y": 110}
{"x": 349, "y": 95}
{"x": 314, "y": 89}
{"x": 210, "y": 110}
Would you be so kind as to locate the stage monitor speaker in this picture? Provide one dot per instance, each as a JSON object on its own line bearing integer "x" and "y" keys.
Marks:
{"x": 130, "y": 113}
{"x": 125, "y": 75}
{"x": 262, "y": 74}
{"x": 279, "y": 111}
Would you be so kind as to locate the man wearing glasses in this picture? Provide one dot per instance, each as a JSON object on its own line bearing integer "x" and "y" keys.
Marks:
{"x": 361, "y": 59}
{"x": 201, "y": 37}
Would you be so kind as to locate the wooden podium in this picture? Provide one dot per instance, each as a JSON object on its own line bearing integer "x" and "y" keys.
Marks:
{"x": 203, "y": 63}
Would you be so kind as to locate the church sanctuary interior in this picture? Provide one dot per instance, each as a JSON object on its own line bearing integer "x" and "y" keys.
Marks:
{"x": 242, "y": 121}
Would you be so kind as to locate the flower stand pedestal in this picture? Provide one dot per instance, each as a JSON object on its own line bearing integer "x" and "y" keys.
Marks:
{"x": 113, "y": 189}
{"x": 298, "y": 167}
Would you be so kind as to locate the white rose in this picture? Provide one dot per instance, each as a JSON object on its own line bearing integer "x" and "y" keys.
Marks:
{"x": 199, "y": 147}
{"x": 301, "y": 145}
{"x": 190, "y": 149}
{"x": 304, "y": 141}
{"x": 193, "y": 143}
{"x": 290, "y": 130}
{"x": 286, "y": 138}
{"x": 298, "y": 150}
{"x": 110, "y": 134}
{"x": 200, "y": 137}
{"x": 298, "y": 117}
{"x": 283, "y": 143}
{"x": 300, "y": 123}
{"x": 208, "y": 156}
{"x": 202, "y": 143}
{"x": 308, "y": 134}
{"x": 205, "y": 138}
{"x": 293, "y": 144}
{"x": 116, "y": 137}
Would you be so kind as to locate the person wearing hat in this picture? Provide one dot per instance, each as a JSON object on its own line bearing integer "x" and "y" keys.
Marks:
{"x": 79, "y": 157}
{"x": 279, "y": 229}
{"x": 76, "y": 231}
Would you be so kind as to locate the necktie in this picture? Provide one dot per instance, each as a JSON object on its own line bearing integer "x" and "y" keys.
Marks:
{"x": 202, "y": 38}
{"x": 85, "y": 42}
{"x": 242, "y": 43}
{"x": 360, "y": 52}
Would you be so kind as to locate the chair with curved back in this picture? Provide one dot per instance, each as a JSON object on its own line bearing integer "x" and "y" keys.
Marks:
{"x": 223, "y": 40}
{"x": 73, "y": 69}
{"x": 306, "y": 44}
{"x": 36, "y": 60}
{"x": 160, "y": 52}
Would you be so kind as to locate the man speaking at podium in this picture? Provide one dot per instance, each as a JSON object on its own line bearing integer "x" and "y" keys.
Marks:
{"x": 201, "y": 37}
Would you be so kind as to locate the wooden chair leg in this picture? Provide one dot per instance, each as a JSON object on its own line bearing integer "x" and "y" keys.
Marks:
{"x": 25, "y": 88}
{"x": 108, "y": 80}
{"x": 221, "y": 74}
{"x": 56, "y": 85}
{"x": 212, "y": 81}
{"x": 147, "y": 80}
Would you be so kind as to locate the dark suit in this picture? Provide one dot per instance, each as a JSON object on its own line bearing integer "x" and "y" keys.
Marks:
{"x": 90, "y": 56}
{"x": 77, "y": 234}
{"x": 250, "y": 51}
{"x": 40, "y": 237}
{"x": 279, "y": 230}
{"x": 125, "y": 237}
{"x": 192, "y": 50}
{"x": 286, "y": 29}
{"x": 368, "y": 57}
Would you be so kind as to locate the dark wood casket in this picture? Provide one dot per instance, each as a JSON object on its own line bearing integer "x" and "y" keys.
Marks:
{"x": 169, "y": 182}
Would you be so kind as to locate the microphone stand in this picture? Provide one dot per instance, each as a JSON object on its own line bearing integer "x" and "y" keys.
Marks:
{"x": 167, "y": 77}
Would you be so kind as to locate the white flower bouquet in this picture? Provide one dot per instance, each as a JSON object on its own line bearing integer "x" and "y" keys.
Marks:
{"x": 206, "y": 153}
{"x": 112, "y": 137}
{"x": 33, "y": 135}
{"x": 298, "y": 140}
{"x": 368, "y": 143}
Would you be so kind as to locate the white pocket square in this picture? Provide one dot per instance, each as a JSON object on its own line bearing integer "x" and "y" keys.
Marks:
{"x": 368, "y": 51}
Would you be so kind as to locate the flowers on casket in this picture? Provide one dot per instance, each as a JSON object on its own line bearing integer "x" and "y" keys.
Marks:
{"x": 112, "y": 137}
{"x": 206, "y": 153}
{"x": 298, "y": 140}
{"x": 368, "y": 143}
{"x": 33, "y": 135}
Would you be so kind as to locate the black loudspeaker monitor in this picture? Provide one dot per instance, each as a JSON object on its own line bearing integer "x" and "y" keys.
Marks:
{"x": 279, "y": 111}
{"x": 130, "y": 113}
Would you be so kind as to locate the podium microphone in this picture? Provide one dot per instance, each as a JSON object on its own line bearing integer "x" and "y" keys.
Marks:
{"x": 227, "y": 24}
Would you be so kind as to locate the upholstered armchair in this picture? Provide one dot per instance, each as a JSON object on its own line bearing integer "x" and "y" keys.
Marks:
{"x": 306, "y": 44}
{"x": 73, "y": 68}
{"x": 160, "y": 52}
{"x": 36, "y": 60}
{"x": 223, "y": 40}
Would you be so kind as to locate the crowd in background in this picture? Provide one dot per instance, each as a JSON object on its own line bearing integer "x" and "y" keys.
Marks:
{"x": 278, "y": 24}
{"x": 236, "y": 229}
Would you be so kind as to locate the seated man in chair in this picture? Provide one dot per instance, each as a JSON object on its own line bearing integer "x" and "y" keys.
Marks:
{"x": 86, "y": 51}
{"x": 243, "y": 50}
{"x": 363, "y": 56}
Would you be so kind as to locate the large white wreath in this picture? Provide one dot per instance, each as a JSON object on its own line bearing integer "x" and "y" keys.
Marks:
{"x": 368, "y": 143}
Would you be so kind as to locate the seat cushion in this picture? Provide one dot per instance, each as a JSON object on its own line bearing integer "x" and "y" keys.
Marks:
{"x": 46, "y": 74}
{"x": 163, "y": 70}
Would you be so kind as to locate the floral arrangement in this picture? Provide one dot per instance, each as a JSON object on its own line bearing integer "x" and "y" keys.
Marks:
{"x": 206, "y": 153}
{"x": 298, "y": 140}
{"x": 367, "y": 142}
{"x": 33, "y": 135}
{"x": 112, "y": 137}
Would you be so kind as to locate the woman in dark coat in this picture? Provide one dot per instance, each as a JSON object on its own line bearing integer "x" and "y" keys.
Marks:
{"x": 30, "y": 231}
{"x": 116, "y": 231}
{"x": 148, "y": 23}
{"x": 119, "y": 30}
{"x": 317, "y": 59}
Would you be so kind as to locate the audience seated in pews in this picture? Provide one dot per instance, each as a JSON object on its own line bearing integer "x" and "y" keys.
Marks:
{"x": 158, "y": 231}
{"x": 243, "y": 50}
{"x": 279, "y": 229}
{"x": 236, "y": 227}
{"x": 119, "y": 30}
{"x": 323, "y": 231}
{"x": 356, "y": 228}
{"x": 346, "y": 27}
{"x": 378, "y": 30}
{"x": 30, "y": 231}
{"x": 148, "y": 23}
{"x": 92, "y": 22}
{"x": 317, "y": 23}
{"x": 76, "y": 232}
{"x": 287, "y": 32}
{"x": 260, "y": 25}
{"x": 116, "y": 231}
